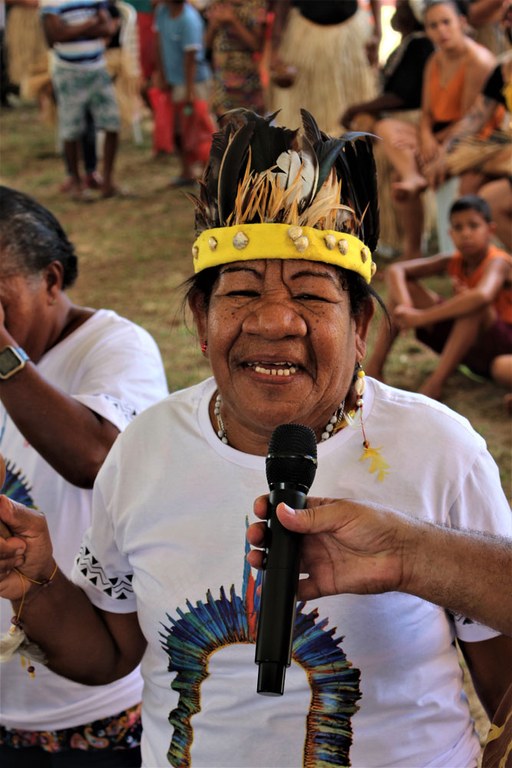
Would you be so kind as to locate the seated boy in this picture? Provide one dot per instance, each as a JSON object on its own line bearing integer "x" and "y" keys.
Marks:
{"x": 474, "y": 325}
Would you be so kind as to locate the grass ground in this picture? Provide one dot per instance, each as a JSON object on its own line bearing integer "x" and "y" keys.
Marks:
{"x": 135, "y": 253}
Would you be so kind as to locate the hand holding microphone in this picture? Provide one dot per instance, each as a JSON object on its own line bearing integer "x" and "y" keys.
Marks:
{"x": 291, "y": 466}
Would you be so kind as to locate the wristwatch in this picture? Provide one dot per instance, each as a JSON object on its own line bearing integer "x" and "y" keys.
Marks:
{"x": 12, "y": 360}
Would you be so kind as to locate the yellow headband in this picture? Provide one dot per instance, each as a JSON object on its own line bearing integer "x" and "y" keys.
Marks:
{"x": 245, "y": 242}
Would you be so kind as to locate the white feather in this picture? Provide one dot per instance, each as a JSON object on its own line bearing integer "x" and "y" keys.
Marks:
{"x": 292, "y": 164}
{"x": 10, "y": 642}
{"x": 16, "y": 641}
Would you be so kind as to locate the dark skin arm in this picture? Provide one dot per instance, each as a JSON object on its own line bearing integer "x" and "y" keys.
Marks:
{"x": 67, "y": 434}
{"x": 386, "y": 101}
{"x": 190, "y": 74}
{"x": 481, "y": 111}
{"x": 372, "y": 46}
{"x": 80, "y": 642}
{"x": 367, "y": 549}
{"x": 481, "y": 12}
{"x": 466, "y": 302}
{"x": 224, "y": 14}
{"x": 57, "y": 31}
{"x": 490, "y": 666}
{"x": 356, "y": 548}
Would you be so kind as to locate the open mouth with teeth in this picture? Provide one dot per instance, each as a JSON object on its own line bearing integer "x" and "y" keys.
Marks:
{"x": 283, "y": 368}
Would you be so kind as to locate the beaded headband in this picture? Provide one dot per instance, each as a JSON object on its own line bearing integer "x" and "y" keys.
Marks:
{"x": 245, "y": 242}
{"x": 271, "y": 193}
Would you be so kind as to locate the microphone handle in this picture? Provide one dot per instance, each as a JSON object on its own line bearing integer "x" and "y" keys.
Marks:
{"x": 278, "y": 594}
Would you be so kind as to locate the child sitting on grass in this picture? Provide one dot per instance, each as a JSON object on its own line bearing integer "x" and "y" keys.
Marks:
{"x": 474, "y": 325}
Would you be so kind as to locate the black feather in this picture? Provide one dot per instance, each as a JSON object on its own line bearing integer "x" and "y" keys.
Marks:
{"x": 355, "y": 167}
{"x": 210, "y": 180}
{"x": 231, "y": 170}
{"x": 268, "y": 141}
{"x": 244, "y": 132}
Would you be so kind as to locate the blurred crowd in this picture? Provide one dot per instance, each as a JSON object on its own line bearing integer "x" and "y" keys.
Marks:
{"x": 185, "y": 63}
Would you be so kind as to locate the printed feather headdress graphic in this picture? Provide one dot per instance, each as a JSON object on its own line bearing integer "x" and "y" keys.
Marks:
{"x": 208, "y": 626}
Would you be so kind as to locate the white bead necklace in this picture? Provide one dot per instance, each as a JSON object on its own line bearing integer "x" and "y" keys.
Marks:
{"x": 334, "y": 424}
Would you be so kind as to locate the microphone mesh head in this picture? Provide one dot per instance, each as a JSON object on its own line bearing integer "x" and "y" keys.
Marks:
{"x": 291, "y": 456}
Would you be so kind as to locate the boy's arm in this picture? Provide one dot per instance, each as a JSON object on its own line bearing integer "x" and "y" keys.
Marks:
{"x": 471, "y": 300}
{"x": 399, "y": 274}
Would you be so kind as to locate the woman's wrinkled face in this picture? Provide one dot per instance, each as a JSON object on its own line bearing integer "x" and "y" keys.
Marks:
{"x": 444, "y": 26}
{"x": 282, "y": 344}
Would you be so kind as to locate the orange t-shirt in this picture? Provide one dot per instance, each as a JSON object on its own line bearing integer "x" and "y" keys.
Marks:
{"x": 503, "y": 301}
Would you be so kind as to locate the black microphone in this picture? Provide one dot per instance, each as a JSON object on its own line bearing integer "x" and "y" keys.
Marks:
{"x": 291, "y": 466}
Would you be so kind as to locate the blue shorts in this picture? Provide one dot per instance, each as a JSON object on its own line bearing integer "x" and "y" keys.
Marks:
{"x": 80, "y": 91}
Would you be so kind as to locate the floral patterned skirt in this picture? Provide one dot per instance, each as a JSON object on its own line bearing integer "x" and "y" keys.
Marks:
{"x": 121, "y": 731}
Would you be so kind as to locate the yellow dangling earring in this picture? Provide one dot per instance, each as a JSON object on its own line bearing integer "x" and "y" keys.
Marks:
{"x": 377, "y": 463}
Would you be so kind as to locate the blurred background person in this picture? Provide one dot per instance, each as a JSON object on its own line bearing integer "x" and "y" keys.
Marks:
{"x": 485, "y": 18}
{"x": 182, "y": 70}
{"x": 331, "y": 47}
{"x": 82, "y": 84}
{"x": 453, "y": 76}
{"x": 484, "y": 163}
{"x": 235, "y": 35}
{"x": 400, "y": 97}
{"x": 474, "y": 324}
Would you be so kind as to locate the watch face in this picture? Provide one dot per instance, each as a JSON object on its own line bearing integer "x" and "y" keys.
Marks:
{"x": 8, "y": 361}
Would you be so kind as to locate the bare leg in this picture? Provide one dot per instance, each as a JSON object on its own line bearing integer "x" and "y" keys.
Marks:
{"x": 109, "y": 156}
{"x": 400, "y": 143}
{"x": 501, "y": 370}
{"x": 72, "y": 153}
{"x": 462, "y": 337}
{"x": 411, "y": 212}
{"x": 386, "y": 335}
{"x": 408, "y": 184}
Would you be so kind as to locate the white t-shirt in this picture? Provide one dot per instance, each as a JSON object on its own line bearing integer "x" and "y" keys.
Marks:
{"x": 114, "y": 368}
{"x": 168, "y": 541}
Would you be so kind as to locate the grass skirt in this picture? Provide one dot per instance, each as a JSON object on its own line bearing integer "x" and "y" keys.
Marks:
{"x": 332, "y": 70}
{"x": 491, "y": 156}
{"x": 27, "y": 51}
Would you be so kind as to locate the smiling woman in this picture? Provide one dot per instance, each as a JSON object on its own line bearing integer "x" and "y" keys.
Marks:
{"x": 279, "y": 334}
{"x": 286, "y": 223}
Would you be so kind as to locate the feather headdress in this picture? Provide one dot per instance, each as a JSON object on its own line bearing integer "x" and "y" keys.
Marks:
{"x": 260, "y": 174}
